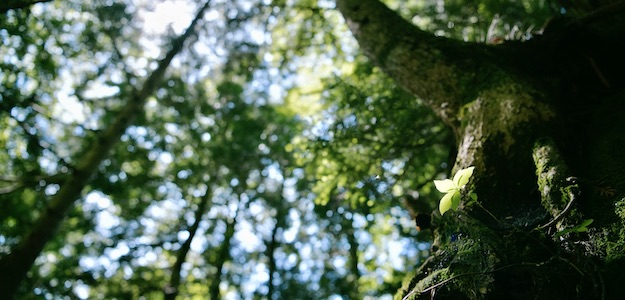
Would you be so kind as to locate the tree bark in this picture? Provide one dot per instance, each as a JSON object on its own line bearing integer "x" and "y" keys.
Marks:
{"x": 516, "y": 124}
{"x": 16, "y": 265}
{"x": 443, "y": 69}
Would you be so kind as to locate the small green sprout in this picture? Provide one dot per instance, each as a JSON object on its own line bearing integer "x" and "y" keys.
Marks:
{"x": 452, "y": 188}
{"x": 579, "y": 228}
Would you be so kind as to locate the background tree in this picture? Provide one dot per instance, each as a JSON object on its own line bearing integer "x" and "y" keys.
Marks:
{"x": 204, "y": 190}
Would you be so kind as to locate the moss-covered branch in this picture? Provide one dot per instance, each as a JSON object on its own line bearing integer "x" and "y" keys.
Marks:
{"x": 441, "y": 71}
{"x": 557, "y": 188}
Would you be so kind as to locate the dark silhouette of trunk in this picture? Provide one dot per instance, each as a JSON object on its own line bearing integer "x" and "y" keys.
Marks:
{"x": 282, "y": 210}
{"x": 172, "y": 288}
{"x": 354, "y": 272}
{"x": 16, "y": 265}
{"x": 271, "y": 264}
{"x": 223, "y": 256}
{"x": 542, "y": 123}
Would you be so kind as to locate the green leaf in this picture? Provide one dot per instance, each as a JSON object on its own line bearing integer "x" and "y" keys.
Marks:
{"x": 579, "y": 228}
{"x": 583, "y": 227}
{"x": 455, "y": 200}
{"x": 462, "y": 177}
{"x": 473, "y": 196}
{"x": 586, "y": 223}
{"x": 445, "y": 186}
{"x": 446, "y": 203}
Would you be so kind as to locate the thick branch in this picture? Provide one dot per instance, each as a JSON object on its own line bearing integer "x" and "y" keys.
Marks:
{"x": 22, "y": 257}
{"x": 440, "y": 71}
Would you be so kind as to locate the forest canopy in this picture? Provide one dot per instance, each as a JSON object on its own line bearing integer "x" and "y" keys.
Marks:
{"x": 225, "y": 149}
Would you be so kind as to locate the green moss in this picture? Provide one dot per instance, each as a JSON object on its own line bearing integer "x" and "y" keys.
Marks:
{"x": 555, "y": 185}
{"x": 430, "y": 280}
{"x": 466, "y": 258}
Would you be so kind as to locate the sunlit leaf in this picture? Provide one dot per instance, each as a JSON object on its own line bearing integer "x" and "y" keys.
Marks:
{"x": 586, "y": 223}
{"x": 445, "y": 186}
{"x": 446, "y": 203}
{"x": 462, "y": 177}
{"x": 455, "y": 200}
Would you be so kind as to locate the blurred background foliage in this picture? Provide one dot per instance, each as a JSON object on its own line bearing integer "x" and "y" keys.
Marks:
{"x": 274, "y": 162}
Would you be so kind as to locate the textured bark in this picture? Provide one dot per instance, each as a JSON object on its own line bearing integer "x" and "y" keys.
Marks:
{"x": 425, "y": 65}
{"x": 16, "y": 265}
{"x": 527, "y": 116}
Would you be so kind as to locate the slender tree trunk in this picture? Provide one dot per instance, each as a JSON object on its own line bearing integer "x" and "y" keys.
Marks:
{"x": 271, "y": 248}
{"x": 354, "y": 272}
{"x": 514, "y": 110}
{"x": 16, "y": 265}
{"x": 223, "y": 256}
{"x": 172, "y": 288}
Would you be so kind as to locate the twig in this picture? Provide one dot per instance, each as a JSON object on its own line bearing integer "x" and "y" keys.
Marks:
{"x": 487, "y": 211}
{"x": 563, "y": 212}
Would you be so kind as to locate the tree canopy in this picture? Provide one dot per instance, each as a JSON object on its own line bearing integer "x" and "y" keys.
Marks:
{"x": 288, "y": 149}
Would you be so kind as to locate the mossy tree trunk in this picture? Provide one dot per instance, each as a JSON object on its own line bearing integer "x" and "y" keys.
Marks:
{"x": 542, "y": 123}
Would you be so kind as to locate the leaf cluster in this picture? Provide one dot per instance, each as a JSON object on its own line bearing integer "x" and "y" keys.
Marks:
{"x": 452, "y": 189}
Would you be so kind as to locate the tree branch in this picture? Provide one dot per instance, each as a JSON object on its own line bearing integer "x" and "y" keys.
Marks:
{"x": 441, "y": 71}
{"x": 558, "y": 190}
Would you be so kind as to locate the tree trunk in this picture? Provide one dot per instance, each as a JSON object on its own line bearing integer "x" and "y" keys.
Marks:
{"x": 223, "y": 256}
{"x": 354, "y": 272}
{"x": 16, "y": 265}
{"x": 541, "y": 122}
{"x": 272, "y": 245}
{"x": 172, "y": 288}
